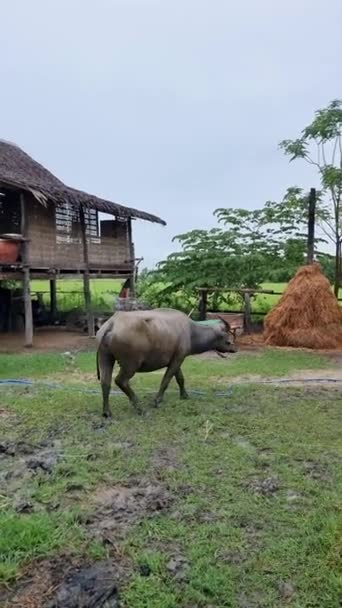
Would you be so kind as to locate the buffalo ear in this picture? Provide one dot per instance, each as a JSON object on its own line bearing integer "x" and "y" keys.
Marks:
{"x": 225, "y": 323}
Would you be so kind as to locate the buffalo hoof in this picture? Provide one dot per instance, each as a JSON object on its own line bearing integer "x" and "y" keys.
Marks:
{"x": 107, "y": 414}
{"x": 184, "y": 396}
{"x": 138, "y": 409}
{"x": 157, "y": 403}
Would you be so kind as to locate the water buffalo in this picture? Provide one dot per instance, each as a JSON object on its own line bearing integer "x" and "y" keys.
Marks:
{"x": 144, "y": 341}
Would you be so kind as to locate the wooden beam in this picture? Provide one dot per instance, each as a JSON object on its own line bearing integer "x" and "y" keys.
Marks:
{"x": 131, "y": 252}
{"x": 26, "y": 274}
{"x": 242, "y": 290}
{"x": 86, "y": 279}
{"x": 203, "y": 304}
{"x": 247, "y": 318}
{"x": 311, "y": 226}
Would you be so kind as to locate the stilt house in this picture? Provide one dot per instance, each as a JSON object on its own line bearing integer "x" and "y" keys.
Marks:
{"x": 50, "y": 231}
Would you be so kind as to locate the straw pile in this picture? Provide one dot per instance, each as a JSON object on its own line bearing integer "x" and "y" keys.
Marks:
{"x": 308, "y": 314}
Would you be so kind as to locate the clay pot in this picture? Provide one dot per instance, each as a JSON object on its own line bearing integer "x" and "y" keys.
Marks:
{"x": 8, "y": 251}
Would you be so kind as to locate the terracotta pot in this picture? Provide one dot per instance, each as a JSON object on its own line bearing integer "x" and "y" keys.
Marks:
{"x": 8, "y": 251}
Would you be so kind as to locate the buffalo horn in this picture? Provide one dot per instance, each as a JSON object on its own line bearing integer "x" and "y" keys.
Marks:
{"x": 226, "y": 324}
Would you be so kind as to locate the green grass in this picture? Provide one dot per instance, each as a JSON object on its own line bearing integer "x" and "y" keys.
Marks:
{"x": 238, "y": 544}
{"x": 98, "y": 286}
{"x": 270, "y": 362}
{"x": 70, "y": 295}
{"x": 33, "y": 536}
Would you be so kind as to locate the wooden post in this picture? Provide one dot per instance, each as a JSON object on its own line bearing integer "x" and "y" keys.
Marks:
{"x": 203, "y": 304}
{"x": 132, "y": 285}
{"x": 311, "y": 226}
{"x": 53, "y": 298}
{"x": 247, "y": 317}
{"x": 26, "y": 269}
{"x": 132, "y": 260}
{"x": 86, "y": 279}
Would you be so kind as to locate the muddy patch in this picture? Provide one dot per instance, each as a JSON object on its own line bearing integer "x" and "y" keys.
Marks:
{"x": 21, "y": 461}
{"x": 317, "y": 471}
{"x": 264, "y": 487}
{"x": 119, "y": 507}
{"x": 165, "y": 459}
{"x": 68, "y": 583}
{"x": 239, "y": 440}
{"x": 92, "y": 587}
{"x": 6, "y": 414}
{"x": 233, "y": 557}
{"x": 178, "y": 567}
{"x": 254, "y": 600}
{"x": 286, "y": 590}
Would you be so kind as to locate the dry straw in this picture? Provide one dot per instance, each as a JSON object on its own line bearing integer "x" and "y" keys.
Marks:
{"x": 308, "y": 315}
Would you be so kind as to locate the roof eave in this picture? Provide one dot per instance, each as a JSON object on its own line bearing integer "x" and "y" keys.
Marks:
{"x": 77, "y": 198}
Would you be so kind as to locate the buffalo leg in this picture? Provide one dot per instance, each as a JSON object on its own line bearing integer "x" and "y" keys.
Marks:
{"x": 106, "y": 364}
{"x": 180, "y": 381}
{"x": 170, "y": 372}
{"x": 122, "y": 381}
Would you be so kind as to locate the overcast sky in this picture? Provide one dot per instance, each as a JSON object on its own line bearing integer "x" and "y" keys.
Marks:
{"x": 172, "y": 106}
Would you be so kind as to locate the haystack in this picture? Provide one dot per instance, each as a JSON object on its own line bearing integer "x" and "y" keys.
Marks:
{"x": 308, "y": 314}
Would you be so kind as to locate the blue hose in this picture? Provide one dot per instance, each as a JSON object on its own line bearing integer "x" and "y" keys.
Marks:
{"x": 22, "y": 382}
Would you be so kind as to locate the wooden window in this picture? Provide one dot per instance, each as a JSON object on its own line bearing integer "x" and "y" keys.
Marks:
{"x": 68, "y": 226}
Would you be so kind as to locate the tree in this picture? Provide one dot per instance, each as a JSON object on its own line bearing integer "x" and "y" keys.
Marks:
{"x": 242, "y": 252}
{"x": 320, "y": 145}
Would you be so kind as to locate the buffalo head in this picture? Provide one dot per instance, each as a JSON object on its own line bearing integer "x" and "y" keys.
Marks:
{"x": 225, "y": 342}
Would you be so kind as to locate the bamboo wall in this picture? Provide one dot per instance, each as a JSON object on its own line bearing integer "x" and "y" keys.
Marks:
{"x": 55, "y": 239}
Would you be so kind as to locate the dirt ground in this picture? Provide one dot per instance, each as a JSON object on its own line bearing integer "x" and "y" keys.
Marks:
{"x": 116, "y": 506}
{"x": 57, "y": 339}
{"x": 53, "y": 339}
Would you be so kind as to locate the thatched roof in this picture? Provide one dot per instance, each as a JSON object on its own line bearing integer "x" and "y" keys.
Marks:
{"x": 19, "y": 170}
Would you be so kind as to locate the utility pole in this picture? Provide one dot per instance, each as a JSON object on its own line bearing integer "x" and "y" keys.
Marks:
{"x": 311, "y": 226}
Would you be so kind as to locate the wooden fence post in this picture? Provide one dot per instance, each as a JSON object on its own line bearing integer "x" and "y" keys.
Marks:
{"x": 203, "y": 304}
{"x": 247, "y": 317}
{"x": 53, "y": 298}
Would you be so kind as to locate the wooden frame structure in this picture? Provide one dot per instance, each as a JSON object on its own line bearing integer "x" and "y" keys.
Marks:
{"x": 246, "y": 295}
{"x": 60, "y": 231}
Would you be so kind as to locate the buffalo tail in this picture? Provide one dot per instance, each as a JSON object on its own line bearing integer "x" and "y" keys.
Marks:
{"x": 97, "y": 365}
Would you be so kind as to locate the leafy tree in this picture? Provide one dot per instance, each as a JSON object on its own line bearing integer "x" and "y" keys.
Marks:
{"x": 242, "y": 252}
{"x": 320, "y": 145}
